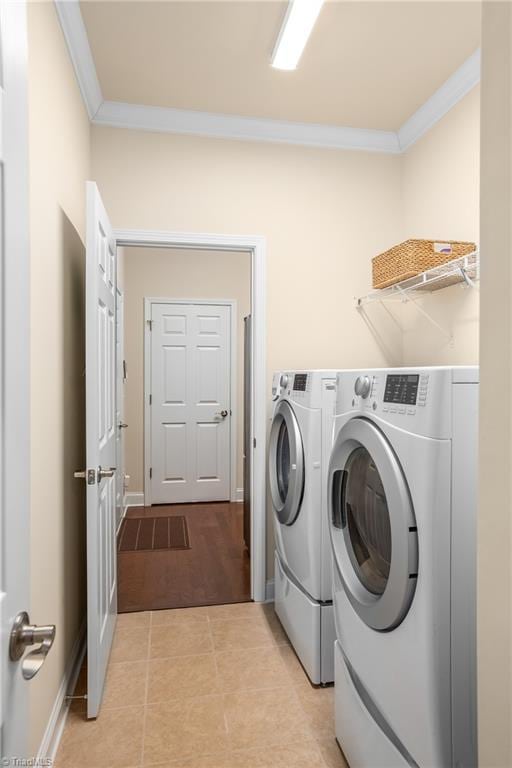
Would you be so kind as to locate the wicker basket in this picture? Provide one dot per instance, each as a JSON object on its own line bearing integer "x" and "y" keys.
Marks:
{"x": 413, "y": 257}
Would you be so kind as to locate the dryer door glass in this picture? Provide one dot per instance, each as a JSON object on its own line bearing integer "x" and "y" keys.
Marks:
{"x": 369, "y": 526}
{"x": 373, "y": 527}
{"x": 283, "y": 461}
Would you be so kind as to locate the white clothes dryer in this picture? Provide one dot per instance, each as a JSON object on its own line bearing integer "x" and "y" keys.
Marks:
{"x": 402, "y": 517}
{"x": 299, "y": 450}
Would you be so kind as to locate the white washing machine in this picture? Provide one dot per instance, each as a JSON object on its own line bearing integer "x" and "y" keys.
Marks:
{"x": 299, "y": 450}
{"x": 402, "y": 491}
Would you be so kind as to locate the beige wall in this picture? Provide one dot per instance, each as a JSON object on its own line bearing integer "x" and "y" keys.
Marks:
{"x": 495, "y": 509}
{"x": 323, "y": 213}
{"x": 440, "y": 199}
{"x": 177, "y": 274}
{"x": 59, "y": 165}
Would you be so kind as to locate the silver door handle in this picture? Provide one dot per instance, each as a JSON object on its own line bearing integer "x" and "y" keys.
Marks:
{"x": 23, "y": 636}
{"x": 222, "y": 414}
{"x": 122, "y": 425}
{"x": 105, "y": 473}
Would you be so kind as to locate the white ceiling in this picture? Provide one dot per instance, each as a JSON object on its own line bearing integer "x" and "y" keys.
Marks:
{"x": 367, "y": 64}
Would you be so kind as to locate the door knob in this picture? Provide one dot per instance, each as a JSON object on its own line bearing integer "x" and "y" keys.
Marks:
{"x": 105, "y": 473}
{"x": 122, "y": 425}
{"x": 23, "y": 636}
{"x": 222, "y": 414}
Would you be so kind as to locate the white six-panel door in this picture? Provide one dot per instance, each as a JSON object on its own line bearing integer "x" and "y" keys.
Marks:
{"x": 190, "y": 402}
{"x": 101, "y": 444}
{"x": 14, "y": 375}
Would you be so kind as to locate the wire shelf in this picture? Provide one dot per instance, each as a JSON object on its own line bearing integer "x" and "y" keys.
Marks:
{"x": 464, "y": 269}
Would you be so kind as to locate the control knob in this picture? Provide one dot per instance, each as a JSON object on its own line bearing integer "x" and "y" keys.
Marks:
{"x": 362, "y": 386}
{"x": 284, "y": 381}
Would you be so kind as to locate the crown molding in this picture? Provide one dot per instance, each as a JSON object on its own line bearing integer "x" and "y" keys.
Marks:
{"x": 139, "y": 117}
{"x": 458, "y": 85}
{"x": 167, "y": 120}
{"x": 75, "y": 34}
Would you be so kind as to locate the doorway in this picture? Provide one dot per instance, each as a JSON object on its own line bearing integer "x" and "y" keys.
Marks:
{"x": 183, "y": 541}
{"x": 107, "y": 404}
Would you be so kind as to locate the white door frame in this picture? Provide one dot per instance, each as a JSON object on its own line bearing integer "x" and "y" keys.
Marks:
{"x": 255, "y": 245}
{"x": 232, "y": 304}
{"x": 120, "y": 458}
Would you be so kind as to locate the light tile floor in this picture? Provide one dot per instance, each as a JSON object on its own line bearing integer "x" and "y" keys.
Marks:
{"x": 213, "y": 687}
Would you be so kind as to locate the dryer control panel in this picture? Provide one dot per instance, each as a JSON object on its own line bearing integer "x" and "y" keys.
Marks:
{"x": 405, "y": 391}
{"x": 401, "y": 389}
{"x": 393, "y": 392}
{"x": 413, "y": 399}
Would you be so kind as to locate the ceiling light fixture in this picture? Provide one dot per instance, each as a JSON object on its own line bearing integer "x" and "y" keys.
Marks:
{"x": 297, "y": 26}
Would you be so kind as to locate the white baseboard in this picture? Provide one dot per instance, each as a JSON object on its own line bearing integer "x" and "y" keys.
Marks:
{"x": 137, "y": 499}
{"x": 269, "y": 591}
{"x": 134, "y": 499}
{"x": 239, "y": 495}
{"x": 54, "y": 729}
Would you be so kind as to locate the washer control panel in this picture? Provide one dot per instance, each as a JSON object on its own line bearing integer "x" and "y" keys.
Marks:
{"x": 300, "y": 382}
{"x": 306, "y": 388}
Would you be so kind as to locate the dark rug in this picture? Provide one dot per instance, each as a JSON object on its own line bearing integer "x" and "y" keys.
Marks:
{"x": 140, "y": 534}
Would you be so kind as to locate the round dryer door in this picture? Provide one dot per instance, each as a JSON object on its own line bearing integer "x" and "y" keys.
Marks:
{"x": 286, "y": 464}
{"x": 373, "y": 528}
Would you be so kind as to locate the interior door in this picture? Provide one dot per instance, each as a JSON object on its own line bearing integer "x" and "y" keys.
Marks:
{"x": 14, "y": 373}
{"x": 190, "y": 403}
{"x": 101, "y": 444}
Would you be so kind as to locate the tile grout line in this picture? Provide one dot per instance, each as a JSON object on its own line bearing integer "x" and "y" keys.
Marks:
{"x": 214, "y": 651}
{"x": 146, "y": 690}
{"x": 219, "y": 694}
{"x": 221, "y": 691}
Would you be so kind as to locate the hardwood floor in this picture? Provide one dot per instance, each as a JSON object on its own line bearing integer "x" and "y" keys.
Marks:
{"x": 216, "y": 569}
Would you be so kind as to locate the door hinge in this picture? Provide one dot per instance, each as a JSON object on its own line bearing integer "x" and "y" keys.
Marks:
{"x": 254, "y": 442}
{"x": 150, "y": 323}
{"x": 150, "y": 473}
{"x": 151, "y": 399}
